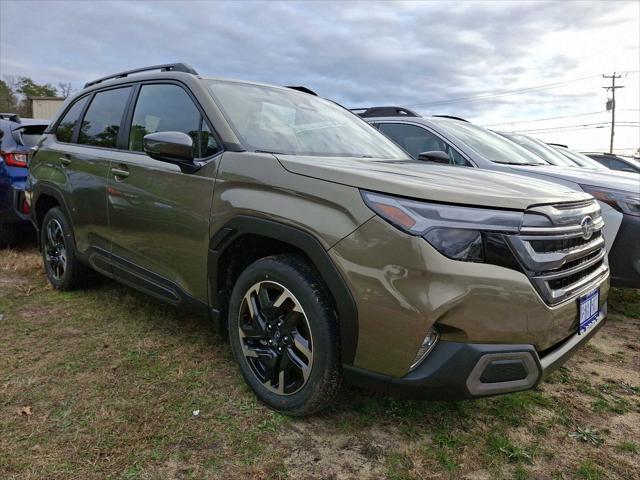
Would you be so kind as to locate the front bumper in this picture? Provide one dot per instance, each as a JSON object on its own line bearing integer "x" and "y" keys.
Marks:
{"x": 456, "y": 371}
{"x": 624, "y": 257}
{"x": 403, "y": 287}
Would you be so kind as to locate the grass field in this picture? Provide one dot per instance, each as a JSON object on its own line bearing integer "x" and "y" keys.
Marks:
{"x": 104, "y": 383}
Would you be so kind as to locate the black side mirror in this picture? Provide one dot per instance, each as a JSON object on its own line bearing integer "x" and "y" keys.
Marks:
{"x": 172, "y": 147}
{"x": 437, "y": 156}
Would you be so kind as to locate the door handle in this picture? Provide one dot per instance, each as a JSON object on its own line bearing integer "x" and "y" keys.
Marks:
{"x": 120, "y": 172}
{"x": 65, "y": 161}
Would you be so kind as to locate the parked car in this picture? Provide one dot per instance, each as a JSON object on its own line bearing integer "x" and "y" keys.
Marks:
{"x": 616, "y": 162}
{"x": 550, "y": 154}
{"x": 580, "y": 159}
{"x": 457, "y": 142}
{"x": 17, "y": 136}
{"x": 320, "y": 248}
{"x": 540, "y": 149}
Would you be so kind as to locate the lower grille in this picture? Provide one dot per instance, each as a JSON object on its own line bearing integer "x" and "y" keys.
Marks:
{"x": 564, "y": 255}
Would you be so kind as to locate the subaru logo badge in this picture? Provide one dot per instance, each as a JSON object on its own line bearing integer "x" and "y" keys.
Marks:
{"x": 588, "y": 227}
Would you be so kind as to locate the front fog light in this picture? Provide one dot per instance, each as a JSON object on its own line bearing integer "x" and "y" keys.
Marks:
{"x": 427, "y": 345}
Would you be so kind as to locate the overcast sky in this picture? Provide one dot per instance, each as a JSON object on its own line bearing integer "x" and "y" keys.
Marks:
{"x": 361, "y": 53}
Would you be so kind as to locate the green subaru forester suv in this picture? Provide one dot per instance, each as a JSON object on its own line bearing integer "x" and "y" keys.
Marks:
{"x": 318, "y": 247}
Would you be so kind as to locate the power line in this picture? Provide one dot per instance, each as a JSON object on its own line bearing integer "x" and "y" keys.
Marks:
{"x": 576, "y": 127}
{"x": 507, "y": 92}
{"x": 557, "y": 118}
{"x": 500, "y": 94}
{"x": 544, "y": 119}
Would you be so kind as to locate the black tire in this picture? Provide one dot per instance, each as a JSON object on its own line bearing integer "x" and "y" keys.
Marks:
{"x": 73, "y": 274}
{"x": 317, "y": 322}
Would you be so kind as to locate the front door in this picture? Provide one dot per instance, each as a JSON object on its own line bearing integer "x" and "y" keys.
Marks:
{"x": 159, "y": 215}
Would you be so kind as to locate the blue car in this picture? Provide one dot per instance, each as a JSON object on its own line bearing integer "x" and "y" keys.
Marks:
{"x": 17, "y": 136}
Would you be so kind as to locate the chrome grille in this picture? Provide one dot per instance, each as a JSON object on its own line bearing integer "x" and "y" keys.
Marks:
{"x": 558, "y": 255}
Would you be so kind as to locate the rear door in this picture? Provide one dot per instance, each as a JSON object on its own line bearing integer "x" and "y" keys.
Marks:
{"x": 77, "y": 159}
{"x": 159, "y": 214}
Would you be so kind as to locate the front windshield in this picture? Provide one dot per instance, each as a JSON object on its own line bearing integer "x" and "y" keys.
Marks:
{"x": 540, "y": 149}
{"x": 487, "y": 143}
{"x": 581, "y": 159}
{"x": 277, "y": 120}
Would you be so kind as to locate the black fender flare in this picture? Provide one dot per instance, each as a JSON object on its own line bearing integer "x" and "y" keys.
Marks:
{"x": 47, "y": 189}
{"x": 307, "y": 243}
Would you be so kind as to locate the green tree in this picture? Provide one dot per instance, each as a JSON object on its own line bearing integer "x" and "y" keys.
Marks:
{"x": 29, "y": 88}
{"x": 8, "y": 100}
{"x": 15, "y": 93}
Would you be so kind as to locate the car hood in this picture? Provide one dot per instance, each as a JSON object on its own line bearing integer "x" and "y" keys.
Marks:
{"x": 440, "y": 183}
{"x": 596, "y": 178}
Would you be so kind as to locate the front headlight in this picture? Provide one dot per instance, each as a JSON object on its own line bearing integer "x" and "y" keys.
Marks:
{"x": 458, "y": 232}
{"x": 625, "y": 202}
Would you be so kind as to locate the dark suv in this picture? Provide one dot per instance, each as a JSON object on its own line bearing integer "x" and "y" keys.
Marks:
{"x": 320, "y": 248}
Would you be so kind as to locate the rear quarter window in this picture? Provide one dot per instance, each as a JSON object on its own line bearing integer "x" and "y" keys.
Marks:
{"x": 64, "y": 131}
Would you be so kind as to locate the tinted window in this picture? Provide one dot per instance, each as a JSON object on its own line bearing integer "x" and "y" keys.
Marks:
{"x": 620, "y": 165}
{"x": 64, "y": 132}
{"x": 286, "y": 121}
{"x": 168, "y": 108}
{"x": 489, "y": 145}
{"x": 101, "y": 123}
{"x": 540, "y": 149}
{"x": 604, "y": 161}
{"x": 208, "y": 143}
{"x": 417, "y": 140}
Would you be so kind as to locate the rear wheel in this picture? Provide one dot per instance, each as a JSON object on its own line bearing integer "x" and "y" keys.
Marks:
{"x": 63, "y": 269}
{"x": 283, "y": 333}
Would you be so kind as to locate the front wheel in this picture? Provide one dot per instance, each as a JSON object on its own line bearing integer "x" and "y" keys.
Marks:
{"x": 283, "y": 333}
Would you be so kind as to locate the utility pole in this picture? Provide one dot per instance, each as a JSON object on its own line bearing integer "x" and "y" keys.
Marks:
{"x": 613, "y": 104}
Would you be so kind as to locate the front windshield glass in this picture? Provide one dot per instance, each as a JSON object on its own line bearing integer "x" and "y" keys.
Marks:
{"x": 540, "y": 149}
{"x": 277, "y": 120}
{"x": 581, "y": 159}
{"x": 488, "y": 144}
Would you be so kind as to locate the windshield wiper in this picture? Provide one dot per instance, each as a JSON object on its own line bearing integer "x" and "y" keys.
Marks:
{"x": 273, "y": 153}
{"x": 518, "y": 163}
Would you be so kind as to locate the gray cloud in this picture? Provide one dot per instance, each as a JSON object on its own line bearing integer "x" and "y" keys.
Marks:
{"x": 355, "y": 53}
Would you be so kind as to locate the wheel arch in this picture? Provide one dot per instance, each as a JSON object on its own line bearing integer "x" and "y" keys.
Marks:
{"x": 274, "y": 237}
{"x": 44, "y": 198}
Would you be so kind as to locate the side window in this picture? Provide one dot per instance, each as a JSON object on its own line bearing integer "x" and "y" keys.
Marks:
{"x": 168, "y": 108}
{"x": 101, "y": 123}
{"x": 208, "y": 143}
{"x": 416, "y": 140}
{"x": 618, "y": 164}
{"x": 64, "y": 131}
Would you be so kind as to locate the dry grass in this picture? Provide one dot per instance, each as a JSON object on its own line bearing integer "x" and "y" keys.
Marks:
{"x": 112, "y": 379}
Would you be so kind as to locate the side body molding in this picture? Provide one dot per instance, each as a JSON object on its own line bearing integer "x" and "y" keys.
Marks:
{"x": 242, "y": 225}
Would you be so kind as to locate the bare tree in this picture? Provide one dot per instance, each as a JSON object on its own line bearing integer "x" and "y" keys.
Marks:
{"x": 64, "y": 89}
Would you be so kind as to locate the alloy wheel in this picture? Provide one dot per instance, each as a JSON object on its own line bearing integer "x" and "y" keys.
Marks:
{"x": 275, "y": 337}
{"x": 55, "y": 250}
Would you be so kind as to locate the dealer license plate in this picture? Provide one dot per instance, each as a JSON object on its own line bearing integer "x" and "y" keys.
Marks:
{"x": 589, "y": 310}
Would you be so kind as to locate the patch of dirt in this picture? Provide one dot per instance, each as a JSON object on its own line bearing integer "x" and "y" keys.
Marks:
{"x": 337, "y": 456}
